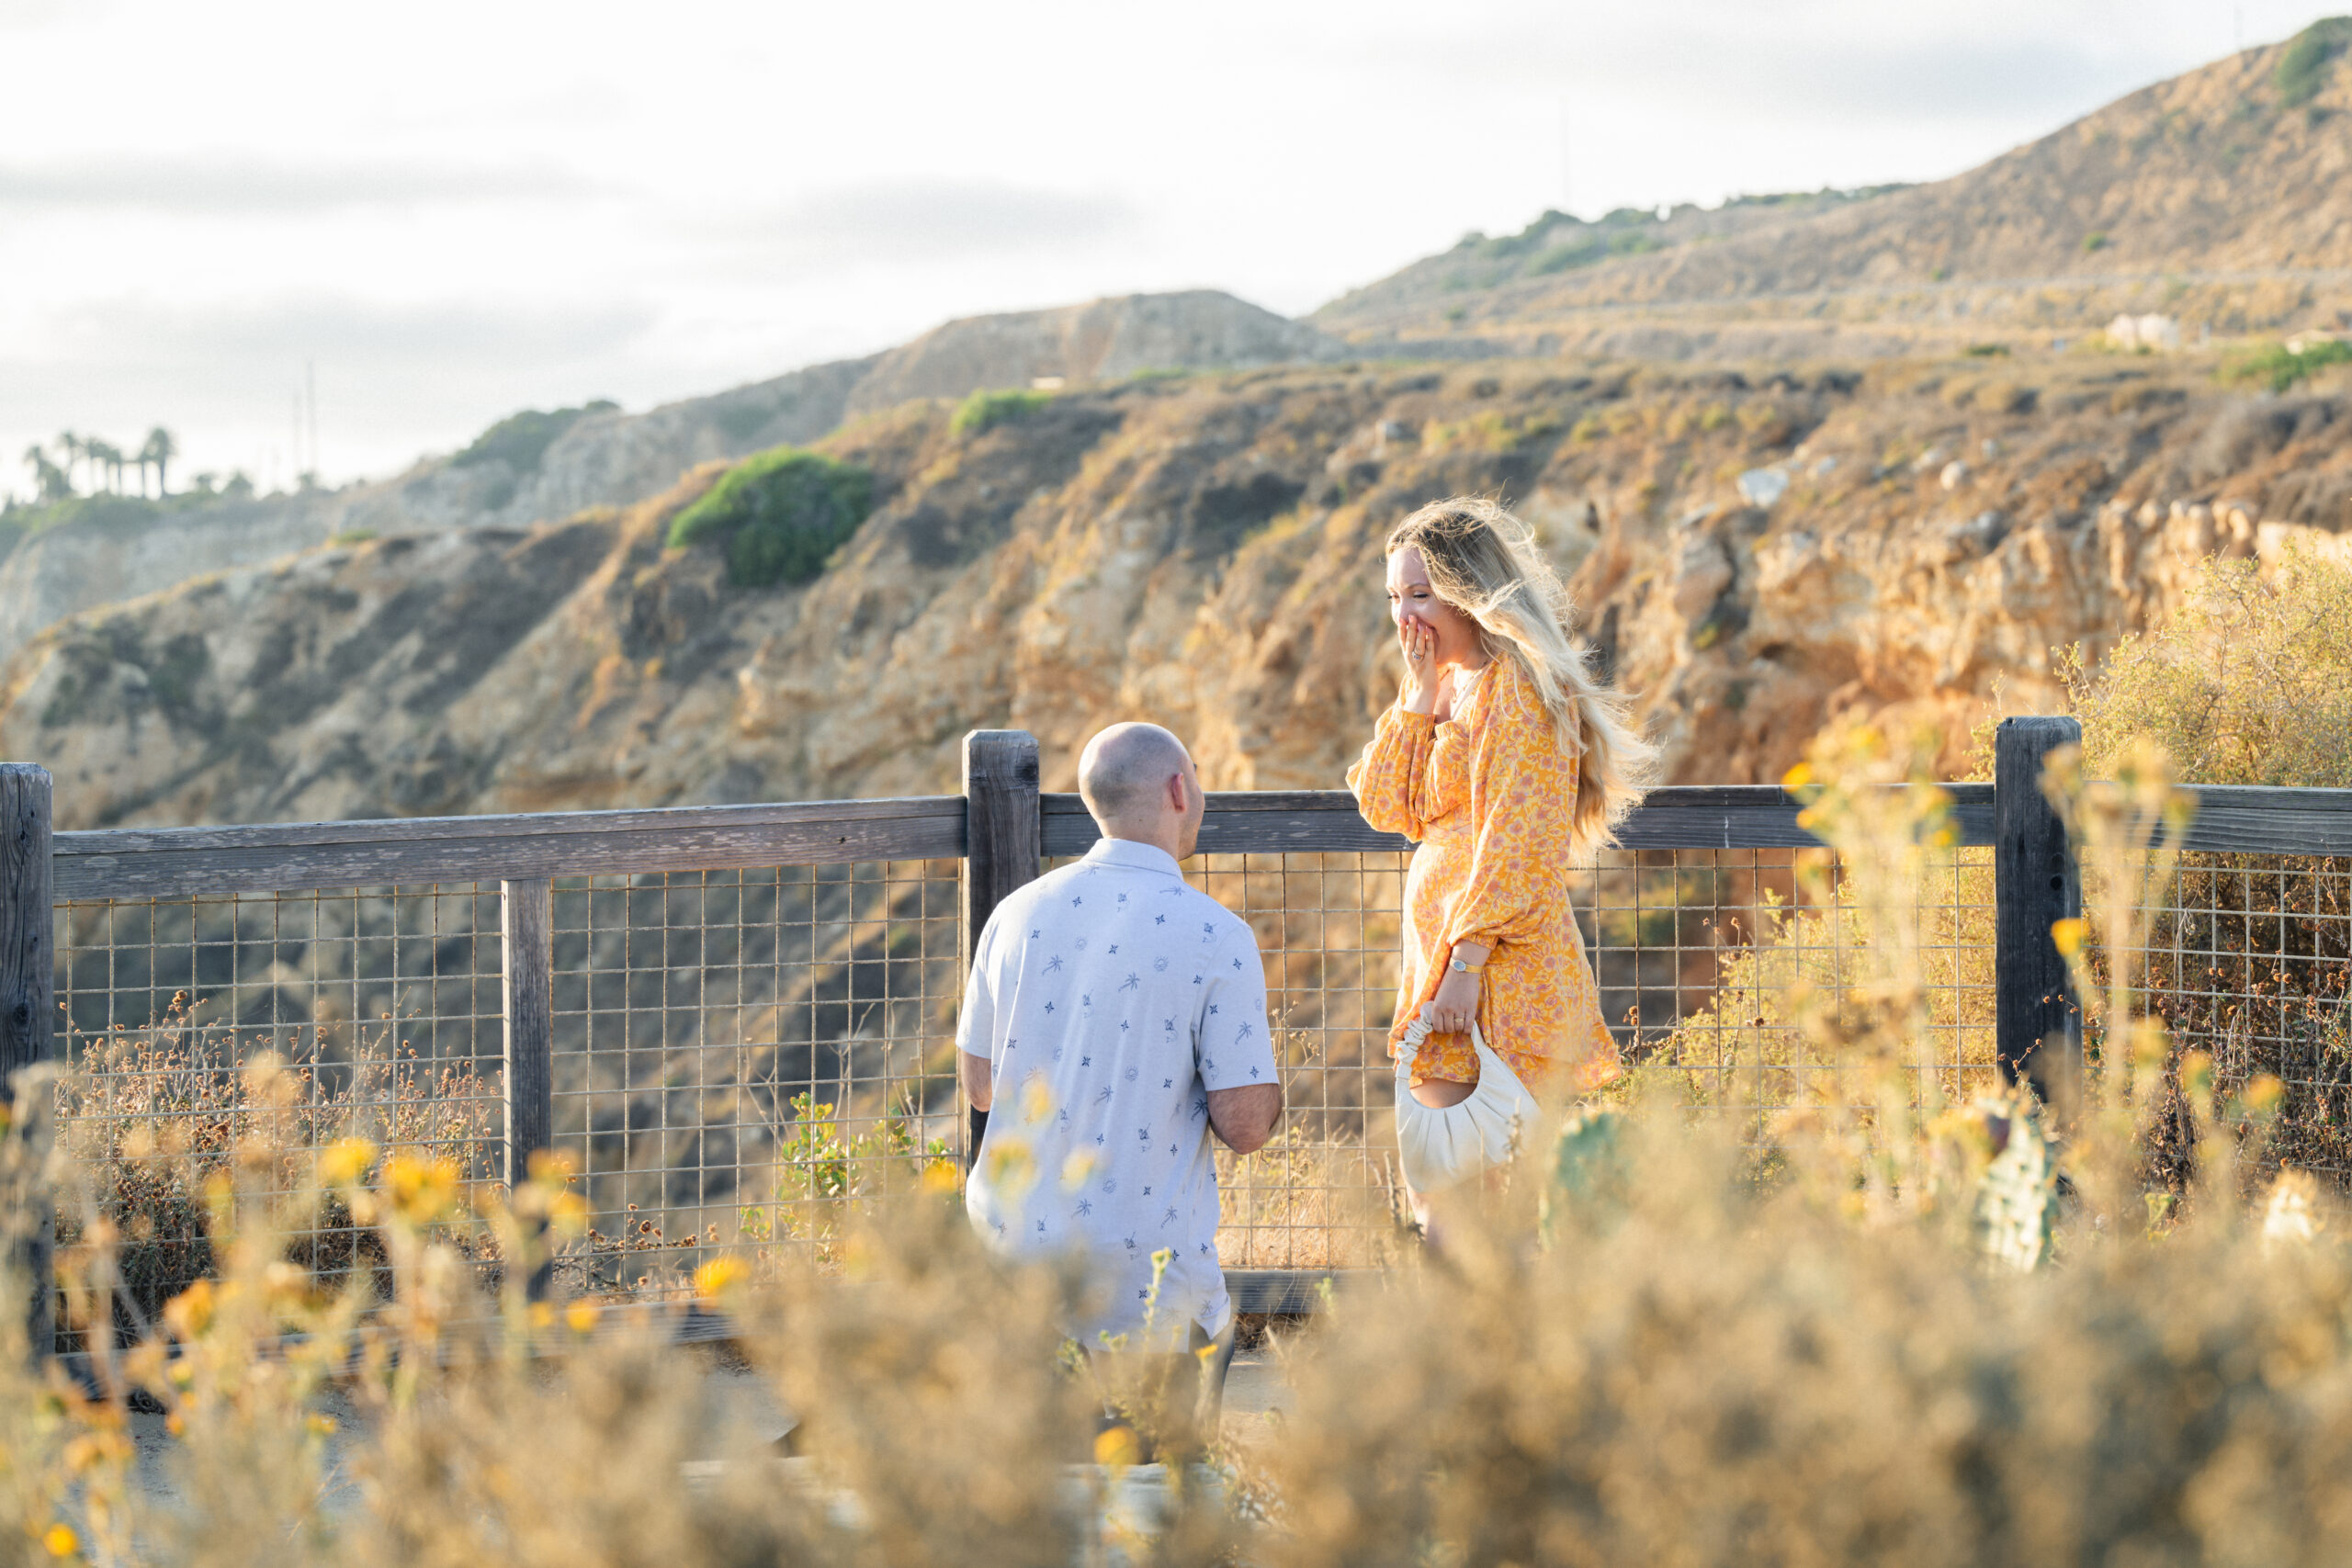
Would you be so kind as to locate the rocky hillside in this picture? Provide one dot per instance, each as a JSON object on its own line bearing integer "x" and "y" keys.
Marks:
{"x": 539, "y": 467}
{"x": 2223, "y": 196}
{"x": 1204, "y": 551}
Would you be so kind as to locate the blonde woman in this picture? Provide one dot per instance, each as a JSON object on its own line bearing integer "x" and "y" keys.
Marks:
{"x": 1504, "y": 760}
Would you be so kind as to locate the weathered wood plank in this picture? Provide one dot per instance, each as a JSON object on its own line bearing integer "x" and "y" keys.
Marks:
{"x": 2258, "y": 820}
{"x": 187, "y": 862}
{"x": 2037, "y": 1030}
{"x": 28, "y": 1021}
{"x": 526, "y": 994}
{"x": 1726, "y": 817}
{"x": 1004, "y": 845}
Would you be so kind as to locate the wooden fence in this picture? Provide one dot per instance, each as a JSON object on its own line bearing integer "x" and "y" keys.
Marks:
{"x": 1001, "y": 827}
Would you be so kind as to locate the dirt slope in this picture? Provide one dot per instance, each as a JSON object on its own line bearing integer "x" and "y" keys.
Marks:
{"x": 2224, "y": 195}
{"x": 1203, "y": 552}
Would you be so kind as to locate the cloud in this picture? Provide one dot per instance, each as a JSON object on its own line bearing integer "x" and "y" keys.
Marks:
{"x": 227, "y": 185}
{"x": 392, "y": 379}
{"x": 1829, "y": 60}
{"x": 931, "y": 220}
{"x": 429, "y": 336}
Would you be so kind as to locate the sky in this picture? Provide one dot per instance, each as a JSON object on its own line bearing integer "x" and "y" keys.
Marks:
{"x": 435, "y": 213}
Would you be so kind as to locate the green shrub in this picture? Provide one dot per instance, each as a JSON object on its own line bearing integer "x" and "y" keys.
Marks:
{"x": 779, "y": 513}
{"x": 984, "y": 411}
{"x": 2096, "y": 240}
{"x": 2282, "y": 367}
{"x": 520, "y": 440}
{"x": 2302, "y": 71}
{"x": 2249, "y": 682}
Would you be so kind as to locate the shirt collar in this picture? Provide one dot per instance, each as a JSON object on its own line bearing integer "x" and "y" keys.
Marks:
{"x": 1133, "y": 857}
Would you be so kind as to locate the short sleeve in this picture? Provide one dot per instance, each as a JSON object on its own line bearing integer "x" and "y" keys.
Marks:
{"x": 1231, "y": 1038}
{"x": 976, "y": 1023}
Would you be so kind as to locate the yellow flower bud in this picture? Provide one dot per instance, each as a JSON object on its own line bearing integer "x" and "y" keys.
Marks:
{"x": 2070, "y": 935}
{"x": 1117, "y": 1447}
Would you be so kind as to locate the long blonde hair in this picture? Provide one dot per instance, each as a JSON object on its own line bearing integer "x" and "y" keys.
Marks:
{"x": 1485, "y": 563}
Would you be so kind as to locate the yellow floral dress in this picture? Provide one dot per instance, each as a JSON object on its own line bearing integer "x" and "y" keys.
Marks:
{"x": 1488, "y": 796}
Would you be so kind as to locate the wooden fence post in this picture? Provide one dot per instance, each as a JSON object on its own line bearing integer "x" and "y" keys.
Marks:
{"x": 29, "y": 1025}
{"x": 526, "y": 928}
{"x": 2038, "y": 1029}
{"x": 1004, "y": 830}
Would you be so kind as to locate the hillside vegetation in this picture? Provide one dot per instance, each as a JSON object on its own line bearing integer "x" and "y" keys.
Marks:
{"x": 2223, "y": 196}
{"x": 1204, "y": 551}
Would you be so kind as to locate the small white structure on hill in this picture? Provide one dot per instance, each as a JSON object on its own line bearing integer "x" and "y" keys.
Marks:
{"x": 2160, "y": 333}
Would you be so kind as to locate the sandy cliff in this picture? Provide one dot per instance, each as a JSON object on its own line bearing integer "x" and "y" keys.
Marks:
{"x": 1203, "y": 552}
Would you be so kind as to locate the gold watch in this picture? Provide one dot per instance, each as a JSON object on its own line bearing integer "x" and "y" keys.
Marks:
{"x": 1461, "y": 968}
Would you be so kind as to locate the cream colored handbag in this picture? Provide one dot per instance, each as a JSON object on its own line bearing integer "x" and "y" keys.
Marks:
{"x": 1443, "y": 1147}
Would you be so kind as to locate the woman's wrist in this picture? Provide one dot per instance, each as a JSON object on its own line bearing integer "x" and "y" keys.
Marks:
{"x": 1468, "y": 957}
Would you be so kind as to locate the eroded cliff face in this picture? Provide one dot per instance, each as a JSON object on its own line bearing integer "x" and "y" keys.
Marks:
{"x": 608, "y": 457}
{"x": 1205, "y": 553}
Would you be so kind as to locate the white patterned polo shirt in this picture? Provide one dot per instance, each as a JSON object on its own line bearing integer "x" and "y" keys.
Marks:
{"x": 1109, "y": 997}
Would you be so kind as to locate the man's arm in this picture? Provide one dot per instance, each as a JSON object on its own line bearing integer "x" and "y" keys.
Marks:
{"x": 975, "y": 1041}
{"x": 1243, "y": 1117}
{"x": 980, "y": 1081}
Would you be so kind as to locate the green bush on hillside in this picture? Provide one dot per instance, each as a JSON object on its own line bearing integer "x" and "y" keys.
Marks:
{"x": 984, "y": 411}
{"x": 2280, "y": 366}
{"x": 2302, "y": 70}
{"x": 520, "y": 440}
{"x": 779, "y": 514}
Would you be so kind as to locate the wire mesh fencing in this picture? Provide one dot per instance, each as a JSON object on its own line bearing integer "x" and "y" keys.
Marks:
{"x": 742, "y": 1054}
{"x": 291, "y": 1021}
{"x": 2248, "y": 958}
{"x": 1707, "y": 959}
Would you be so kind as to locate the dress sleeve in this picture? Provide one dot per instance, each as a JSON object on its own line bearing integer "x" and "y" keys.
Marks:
{"x": 1522, "y": 804}
{"x": 1386, "y": 780}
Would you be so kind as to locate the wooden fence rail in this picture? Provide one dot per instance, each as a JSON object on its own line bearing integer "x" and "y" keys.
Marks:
{"x": 1001, "y": 827}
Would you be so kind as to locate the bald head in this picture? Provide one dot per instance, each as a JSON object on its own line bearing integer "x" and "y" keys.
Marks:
{"x": 1138, "y": 783}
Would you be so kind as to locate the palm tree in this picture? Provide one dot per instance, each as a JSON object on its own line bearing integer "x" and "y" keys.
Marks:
{"x": 104, "y": 456}
{"x": 54, "y": 483}
{"x": 71, "y": 447}
{"x": 160, "y": 450}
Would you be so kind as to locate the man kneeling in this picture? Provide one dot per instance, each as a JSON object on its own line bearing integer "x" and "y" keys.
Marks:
{"x": 1124, "y": 1014}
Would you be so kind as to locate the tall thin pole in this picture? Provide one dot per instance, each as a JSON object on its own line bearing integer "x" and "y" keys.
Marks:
{"x": 310, "y": 398}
